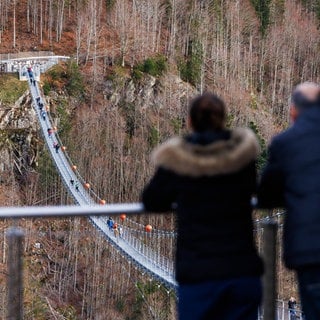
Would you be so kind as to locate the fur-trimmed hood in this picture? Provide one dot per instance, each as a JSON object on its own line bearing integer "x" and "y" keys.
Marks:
{"x": 219, "y": 157}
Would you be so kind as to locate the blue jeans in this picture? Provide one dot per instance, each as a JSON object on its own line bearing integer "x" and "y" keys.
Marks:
{"x": 309, "y": 287}
{"x": 229, "y": 299}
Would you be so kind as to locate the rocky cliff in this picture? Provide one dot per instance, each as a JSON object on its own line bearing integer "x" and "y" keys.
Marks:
{"x": 19, "y": 140}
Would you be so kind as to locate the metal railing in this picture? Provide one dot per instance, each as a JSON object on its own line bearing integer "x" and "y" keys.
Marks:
{"x": 26, "y": 54}
{"x": 273, "y": 309}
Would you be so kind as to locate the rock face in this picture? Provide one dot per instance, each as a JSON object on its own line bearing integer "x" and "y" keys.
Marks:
{"x": 168, "y": 91}
{"x": 18, "y": 136}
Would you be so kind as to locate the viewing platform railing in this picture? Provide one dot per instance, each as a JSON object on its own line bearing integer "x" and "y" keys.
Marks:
{"x": 273, "y": 309}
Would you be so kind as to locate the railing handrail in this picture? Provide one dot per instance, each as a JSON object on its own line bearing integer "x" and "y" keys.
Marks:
{"x": 69, "y": 211}
{"x": 35, "y": 58}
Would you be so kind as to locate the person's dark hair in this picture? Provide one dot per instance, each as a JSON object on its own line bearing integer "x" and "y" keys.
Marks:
{"x": 207, "y": 112}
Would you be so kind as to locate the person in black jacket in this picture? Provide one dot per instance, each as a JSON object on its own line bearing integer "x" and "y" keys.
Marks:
{"x": 210, "y": 176}
{"x": 291, "y": 179}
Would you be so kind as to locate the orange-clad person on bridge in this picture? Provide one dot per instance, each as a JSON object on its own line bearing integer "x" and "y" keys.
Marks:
{"x": 209, "y": 176}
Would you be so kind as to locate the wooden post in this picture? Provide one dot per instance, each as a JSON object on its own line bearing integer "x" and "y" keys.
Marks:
{"x": 15, "y": 275}
{"x": 269, "y": 279}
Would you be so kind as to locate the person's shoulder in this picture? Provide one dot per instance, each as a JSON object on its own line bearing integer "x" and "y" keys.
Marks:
{"x": 220, "y": 156}
{"x": 247, "y": 136}
{"x": 283, "y": 138}
{"x": 245, "y": 145}
{"x": 168, "y": 152}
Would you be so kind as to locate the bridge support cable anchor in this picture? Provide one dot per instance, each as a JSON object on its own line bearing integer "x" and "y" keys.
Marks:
{"x": 15, "y": 238}
{"x": 270, "y": 276}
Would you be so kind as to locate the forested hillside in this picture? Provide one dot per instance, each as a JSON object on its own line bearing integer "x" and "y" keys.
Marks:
{"x": 135, "y": 65}
{"x": 251, "y": 51}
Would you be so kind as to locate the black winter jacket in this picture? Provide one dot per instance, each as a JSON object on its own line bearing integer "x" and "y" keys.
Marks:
{"x": 292, "y": 179}
{"x": 210, "y": 177}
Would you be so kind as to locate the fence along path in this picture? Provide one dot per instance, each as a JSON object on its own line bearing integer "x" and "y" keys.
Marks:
{"x": 157, "y": 266}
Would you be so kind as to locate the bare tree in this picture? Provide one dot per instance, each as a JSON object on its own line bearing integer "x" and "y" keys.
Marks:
{"x": 14, "y": 23}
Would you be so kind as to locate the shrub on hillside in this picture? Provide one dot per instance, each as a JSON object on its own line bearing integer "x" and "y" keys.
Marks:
{"x": 190, "y": 67}
{"x": 154, "y": 66}
{"x": 46, "y": 88}
{"x": 262, "y": 159}
{"x": 75, "y": 86}
{"x": 65, "y": 75}
{"x": 11, "y": 88}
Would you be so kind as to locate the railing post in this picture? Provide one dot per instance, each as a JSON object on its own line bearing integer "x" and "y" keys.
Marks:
{"x": 269, "y": 279}
{"x": 15, "y": 278}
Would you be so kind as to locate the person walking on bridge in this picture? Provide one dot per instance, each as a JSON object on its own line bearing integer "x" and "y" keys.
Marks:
{"x": 291, "y": 180}
{"x": 56, "y": 146}
{"x": 110, "y": 223}
{"x": 210, "y": 176}
{"x": 292, "y": 305}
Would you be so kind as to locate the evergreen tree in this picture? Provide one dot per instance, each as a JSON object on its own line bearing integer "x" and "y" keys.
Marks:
{"x": 262, "y": 8}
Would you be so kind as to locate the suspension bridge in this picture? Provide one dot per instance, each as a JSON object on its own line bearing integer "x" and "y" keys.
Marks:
{"x": 132, "y": 242}
{"x": 128, "y": 243}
